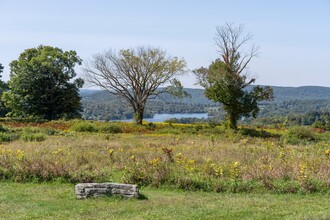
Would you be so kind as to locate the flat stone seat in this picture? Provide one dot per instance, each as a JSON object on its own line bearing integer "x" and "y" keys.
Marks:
{"x": 85, "y": 190}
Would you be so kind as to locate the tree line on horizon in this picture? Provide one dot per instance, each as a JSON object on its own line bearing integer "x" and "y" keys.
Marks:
{"x": 43, "y": 83}
{"x": 100, "y": 105}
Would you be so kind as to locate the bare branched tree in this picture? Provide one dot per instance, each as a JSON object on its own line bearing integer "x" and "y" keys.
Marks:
{"x": 226, "y": 78}
{"x": 136, "y": 75}
{"x": 231, "y": 43}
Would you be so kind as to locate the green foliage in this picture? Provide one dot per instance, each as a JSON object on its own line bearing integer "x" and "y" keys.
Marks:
{"x": 302, "y": 132}
{"x": 37, "y": 130}
{"x": 256, "y": 133}
{"x": 41, "y": 86}
{"x": 299, "y": 134}
{"x": 3, "y": 88}
{"x": 89, "y": 126}
{"x": 3, "y": 129}
{"x": 83, "y": 126}
{"x": 224, "y": 85}
{"x": 169, "y": 130}
{"x": 151, "y": 126}
{"x": 7, "y": 137}
{"x": 50, "y": 131}
{"x": 6, "y": 134}
{"x": 191, "y": 184}
{"x": 30, "y": 134}
{"x": 29, "y": 137}
{"x": 109, "y": 128}
{"x": 225, "y": 80}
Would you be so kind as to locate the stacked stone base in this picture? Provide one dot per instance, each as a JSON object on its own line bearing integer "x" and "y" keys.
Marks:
{"x": 85, "y": 190}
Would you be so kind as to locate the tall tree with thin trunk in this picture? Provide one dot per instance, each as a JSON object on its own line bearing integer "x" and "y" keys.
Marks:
{"x": 227, "y": 78}
{"x": 136, "y": 75}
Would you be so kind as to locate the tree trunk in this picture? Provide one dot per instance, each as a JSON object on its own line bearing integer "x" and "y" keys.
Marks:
{"x": 138, "y": 116}
{"x": 232, "y": 121}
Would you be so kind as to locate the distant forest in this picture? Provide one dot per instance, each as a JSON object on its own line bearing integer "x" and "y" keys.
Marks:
{"x": 295, "y": 105}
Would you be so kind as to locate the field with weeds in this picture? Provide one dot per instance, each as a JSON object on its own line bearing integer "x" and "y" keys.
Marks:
{"x": 188, "y": 157}
{"x": 170, "y": 158}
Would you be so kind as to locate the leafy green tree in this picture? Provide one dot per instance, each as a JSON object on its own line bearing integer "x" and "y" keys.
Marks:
{"x": 226, "y": 79}
{"x": 136, "y": 75}
{"x": 41, "y": 84}
{"x": 3, "y": 88}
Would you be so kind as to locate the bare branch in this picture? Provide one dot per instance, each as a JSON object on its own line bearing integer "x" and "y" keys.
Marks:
{"x": 231, "y": 46}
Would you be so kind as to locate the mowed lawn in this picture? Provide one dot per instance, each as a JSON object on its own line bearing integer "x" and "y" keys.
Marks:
{"x": 57, "y": 201}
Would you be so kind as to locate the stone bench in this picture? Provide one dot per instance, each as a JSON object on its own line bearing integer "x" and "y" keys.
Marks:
{"x": 85, "y": 190}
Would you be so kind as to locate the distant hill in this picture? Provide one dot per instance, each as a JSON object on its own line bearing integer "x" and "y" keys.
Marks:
{"x": 300, "y": 93}
{"x": 197, "y": 95}
{"x": 101, "y": 105}
{"x": 88, "y": 92}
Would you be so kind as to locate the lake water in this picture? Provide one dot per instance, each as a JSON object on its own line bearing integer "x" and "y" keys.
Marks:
{"x": 163, "y": 117}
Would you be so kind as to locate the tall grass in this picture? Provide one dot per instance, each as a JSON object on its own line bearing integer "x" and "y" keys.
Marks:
{"x": 190, "y": 159}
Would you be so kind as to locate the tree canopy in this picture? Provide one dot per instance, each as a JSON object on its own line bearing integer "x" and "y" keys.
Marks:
{"x": 41, "y": 84}
{"x": 226, "y": 79}
{"x": 3, "y": 88}
{"x": 136, "y": 74}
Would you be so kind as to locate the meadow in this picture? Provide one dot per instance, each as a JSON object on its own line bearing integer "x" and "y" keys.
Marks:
{"x": 196, "y": 163}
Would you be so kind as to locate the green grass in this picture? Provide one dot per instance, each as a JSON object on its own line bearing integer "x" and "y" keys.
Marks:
{"x": 57, "y": 201}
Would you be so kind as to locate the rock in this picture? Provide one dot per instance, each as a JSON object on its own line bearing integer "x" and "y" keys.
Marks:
{"x": 85, "y": 190}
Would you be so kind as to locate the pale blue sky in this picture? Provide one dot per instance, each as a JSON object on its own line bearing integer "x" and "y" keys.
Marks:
{"x": 294, "y": 36}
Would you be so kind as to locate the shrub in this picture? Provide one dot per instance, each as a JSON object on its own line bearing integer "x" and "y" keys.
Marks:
{"x": 255, "y": 133}
{"x": 169, "y": 130}
{"x": 151, "y": 126}
{"x": 319, "y": 124}
{"x": 7, "y": 137}
{"x": 191, "y": 184}
{"x": 33, "y": 137}
{"x": 110, "y": 128}
{"x": 31, "y": 130}
{"x": 215, "y": 130}
{"x": 3, "y": 129}
{"x": 50, "y": 131}
{"x": 34, "y": 130}
{"x": 83, "y": 127}
{"x": 299, "y": 134}
{"x": 288, "y": 186}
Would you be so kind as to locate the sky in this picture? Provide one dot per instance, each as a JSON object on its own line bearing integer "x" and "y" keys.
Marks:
{"x": 293, "y": 35}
